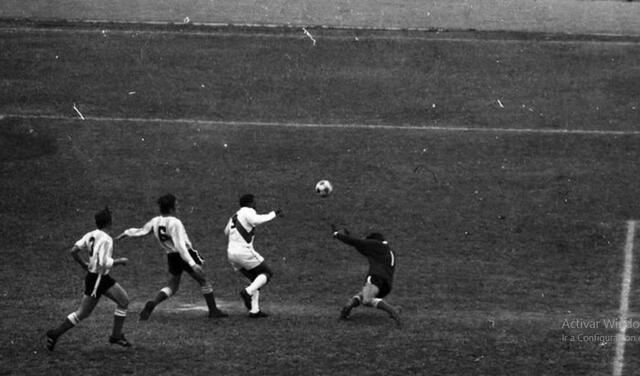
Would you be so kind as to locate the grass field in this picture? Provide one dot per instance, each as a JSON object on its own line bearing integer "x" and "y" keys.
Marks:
{"x": 501, "y": 236}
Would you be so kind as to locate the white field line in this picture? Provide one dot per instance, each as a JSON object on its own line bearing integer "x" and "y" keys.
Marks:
{"x": 618, "y": 361}
{"x": 231, "y": 123}
{"x": 429, "y": 34}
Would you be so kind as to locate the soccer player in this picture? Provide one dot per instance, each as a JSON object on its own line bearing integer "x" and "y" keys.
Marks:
{"x": 379, "y": 279}
{"x": 243, "y": 257}
{"x": 99, "y": 246}
{"x": 181, "y": 257}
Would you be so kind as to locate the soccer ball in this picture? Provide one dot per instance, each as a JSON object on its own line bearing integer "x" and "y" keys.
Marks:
{"x": 324, "y": 188}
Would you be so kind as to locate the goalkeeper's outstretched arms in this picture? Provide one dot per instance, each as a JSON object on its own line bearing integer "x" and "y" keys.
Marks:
{"x": 362, "y": 245}
{"x": 345, "y": 237}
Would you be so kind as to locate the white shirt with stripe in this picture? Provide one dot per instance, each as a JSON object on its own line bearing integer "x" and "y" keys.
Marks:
{"x": 249, "y": 219}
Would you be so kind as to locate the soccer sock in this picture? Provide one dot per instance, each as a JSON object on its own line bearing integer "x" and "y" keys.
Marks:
{"x": 207, "y": 292}
{"x": 118, "y": 321}
{"x": 255, "y": 304}
{"x": 355, "y": 301}
{"x": 257, "y": 283}
{"x": 68, "y": 323}
{"x": 162, "y": 295}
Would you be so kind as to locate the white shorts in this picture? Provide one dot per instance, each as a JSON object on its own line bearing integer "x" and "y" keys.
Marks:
{"x": 244, "y": 258}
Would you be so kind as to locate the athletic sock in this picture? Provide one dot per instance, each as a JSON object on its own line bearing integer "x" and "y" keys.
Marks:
{"x": 68, "y": 323}
{"x": 257, "y": 283}
{"x": 162, "y": 295}
{"x": 255, "y": 302}
{"x": 355, "y": 301}
{"x": 211, "y": 301}
{"x": 118, "y": 321}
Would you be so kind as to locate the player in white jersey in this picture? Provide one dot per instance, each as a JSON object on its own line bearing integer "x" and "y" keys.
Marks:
{"x": 99, "y": 246}
{"x": 172, "y": 237}
{"x": 243, "y": 257}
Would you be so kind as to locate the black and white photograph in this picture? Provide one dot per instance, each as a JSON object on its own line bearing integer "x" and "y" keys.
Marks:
{"x": 328, "y": 187}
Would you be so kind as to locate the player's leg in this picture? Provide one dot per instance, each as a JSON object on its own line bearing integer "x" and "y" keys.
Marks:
{"x": 251, "y": 265}
{"x": 120, "y": 297}
{"x": 374, "y": 290}
{"x": 175, "y": 264}
{"x": 355, "y": 301}
{"x": 259, "y": 276}
{"x": 238, "y": 260}
{"x": 393, "y": 312}
{"x": 207, "y": 293}
{"x": 369, "y": 293}
{"x": 256, "y": 312}
{"x": 173, "y": 284}
{"x": 87, "y": 304}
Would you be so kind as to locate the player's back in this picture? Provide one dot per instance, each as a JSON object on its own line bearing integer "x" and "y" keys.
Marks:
{"x": 241, "y": 218}
{"x": 381, "y": 258}
{"x": 98, "y": 244}
{"x": 168, "y": 230}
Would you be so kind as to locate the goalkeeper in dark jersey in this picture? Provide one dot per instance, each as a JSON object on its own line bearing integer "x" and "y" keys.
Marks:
{"x": 382, "y": 262}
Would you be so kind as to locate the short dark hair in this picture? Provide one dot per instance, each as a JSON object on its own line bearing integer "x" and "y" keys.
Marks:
{"x": 246, "y": 200}
{"x": 103, "y": 218}
{"x": 375, "y": 236}
{"x": 167, "y": 203}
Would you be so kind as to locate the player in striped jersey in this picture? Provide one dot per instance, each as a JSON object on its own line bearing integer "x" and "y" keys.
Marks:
{"x": 99, "y": 246}
{"x": 243, "y": 257}
{"x": 181, "y": 257}
{"x": 379, "y": 280}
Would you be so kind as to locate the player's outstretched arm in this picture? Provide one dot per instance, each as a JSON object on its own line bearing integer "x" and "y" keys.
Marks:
{"x": 136, "y": 232}
{"x": 345, "y": 237}
{"x": 256, "y": 219}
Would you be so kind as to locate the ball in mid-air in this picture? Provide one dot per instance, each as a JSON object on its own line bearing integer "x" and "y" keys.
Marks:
{"x": 324, "y": 188}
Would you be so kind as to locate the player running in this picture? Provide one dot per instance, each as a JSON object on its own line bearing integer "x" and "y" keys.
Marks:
{"x": 379, "y": 279}
{"x": 181, "y": 257}
{"x": 99, "y": 246}
{"x": 243, "y": 257}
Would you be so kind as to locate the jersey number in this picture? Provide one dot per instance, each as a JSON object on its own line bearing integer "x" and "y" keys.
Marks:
{"x": 162, "y": 234}
{"x": 92, "y": 242}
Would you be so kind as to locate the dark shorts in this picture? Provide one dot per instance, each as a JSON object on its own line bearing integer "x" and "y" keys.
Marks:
{"x": 384, "y": 286}
{"x": 177, "y": 265}
{"x": 106, "y": 282}
{"x": 263, "y": 268}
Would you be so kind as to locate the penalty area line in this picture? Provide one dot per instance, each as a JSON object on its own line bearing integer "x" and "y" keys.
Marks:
{"x": 618, "y": 361}
{"x": 235, "y": 123}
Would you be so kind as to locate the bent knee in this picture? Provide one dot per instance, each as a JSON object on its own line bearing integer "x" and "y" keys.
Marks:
{"x": 124, "y": 302}
{"x": 82, "y": 314}
{"x": 174, "y": 287}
